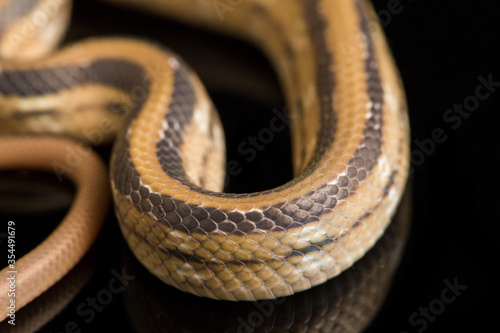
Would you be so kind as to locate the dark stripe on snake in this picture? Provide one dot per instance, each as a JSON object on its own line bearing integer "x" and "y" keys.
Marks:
{"x": 372, "y": 134}
{"x": 366, "y": 156}
{"x": 390, "y": 183}
{"x": 120, "y": 74}
{"x": 302, "y": 130}
{"x": 204, "y": 162}
{"x": 178, "y": 117}
{"x": 15, "y": 10}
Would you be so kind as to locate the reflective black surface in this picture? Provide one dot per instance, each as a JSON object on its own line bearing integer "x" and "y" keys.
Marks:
{"x": 445, "y": 281}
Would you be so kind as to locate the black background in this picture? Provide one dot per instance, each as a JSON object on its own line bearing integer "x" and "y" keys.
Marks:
{"x": 441, "y": 49}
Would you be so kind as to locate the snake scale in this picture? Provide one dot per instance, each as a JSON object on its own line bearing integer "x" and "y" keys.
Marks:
{"x": 350, "y": 140}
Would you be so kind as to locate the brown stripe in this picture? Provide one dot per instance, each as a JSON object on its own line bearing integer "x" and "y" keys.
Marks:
{"x": 372, "y": 134}
{"x": 366, "y": 156}
{"x": 204, "y": 163}
{"x": 120, "y": 74}
{"x": 179, "y": 115}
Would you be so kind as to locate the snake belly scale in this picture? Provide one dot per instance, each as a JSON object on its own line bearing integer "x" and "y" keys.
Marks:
{"x": 350, "y": 142}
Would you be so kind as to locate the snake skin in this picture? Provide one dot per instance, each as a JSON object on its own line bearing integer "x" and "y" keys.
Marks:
{"x": 261, "y": 245}
{"x": 348, "y": 303}
{"x": 349, "y": 140}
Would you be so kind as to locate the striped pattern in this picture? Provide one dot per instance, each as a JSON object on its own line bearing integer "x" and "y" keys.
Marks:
{"x": 212, "y": 238}
{"x": 120, "y": 74}
{"x": 350, "y": 146}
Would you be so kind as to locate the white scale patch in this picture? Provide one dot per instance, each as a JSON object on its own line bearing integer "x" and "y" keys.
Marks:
{"x": 393, "y": 199}
{"x": 162, "y": 135}
{"x": 385, "y": 167}
{"x": 164, "y": 125}
{"x": 391, "y": 99}
{"x": 175, "y": 125}
{"x": 173, "y": 62}
{"x": 201, "y": 117}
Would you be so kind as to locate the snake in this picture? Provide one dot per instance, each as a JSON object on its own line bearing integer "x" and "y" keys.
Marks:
{"x": 348, "y": 303}
{"x": 349, "y": 136}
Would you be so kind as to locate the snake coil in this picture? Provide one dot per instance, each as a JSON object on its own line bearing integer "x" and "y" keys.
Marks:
{"x": 350, "y": 140}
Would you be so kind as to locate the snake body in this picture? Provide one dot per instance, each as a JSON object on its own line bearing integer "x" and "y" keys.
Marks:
{"x": 350, "y": 143}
